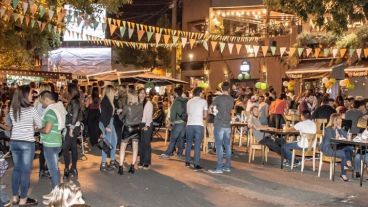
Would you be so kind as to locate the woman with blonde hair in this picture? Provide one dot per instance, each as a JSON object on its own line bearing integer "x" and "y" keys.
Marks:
{"x": 132, "y": 116}
{"x": 107, "y": 126}
{"x": 65, "y": 195}
{"x": 334, "y": 130}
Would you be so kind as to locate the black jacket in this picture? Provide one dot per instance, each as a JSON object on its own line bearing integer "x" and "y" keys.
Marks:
{"x": 106, "y": 111}
{"x": 74, "y": 112}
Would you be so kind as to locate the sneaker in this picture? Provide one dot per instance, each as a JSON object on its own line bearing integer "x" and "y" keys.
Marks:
{"x": 357, "y": 174}
{"x": 146, "y": 167}
{"x": 187, "y": 164}
{"x": 297, "y": 164}
{"x": 164, "y": 156}
{"x": 47, "y": 196}
{"x": 216, "y": 171}
{"x": 179, "y": 157}
{"x": 140, "y": 165}
{"x": 30, "y": 202}
{"x": 197, "y": 168}
{"x": 226, "y": 169}
{"x": 103, "y": 167}
{"x": 113, "y": 164}
{"x": 46, "y": 202}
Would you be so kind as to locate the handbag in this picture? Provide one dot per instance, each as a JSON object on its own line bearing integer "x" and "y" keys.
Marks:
{"x": 104, "y": 145}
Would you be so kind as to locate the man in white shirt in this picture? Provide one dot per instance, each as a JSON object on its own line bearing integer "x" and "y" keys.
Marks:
{"x": 197, "y": 112}
{"x": 306, "y": 126}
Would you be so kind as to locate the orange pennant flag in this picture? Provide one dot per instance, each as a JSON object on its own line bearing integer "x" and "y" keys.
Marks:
{"x": 213, "y": 45}
{"x": 191, "y": 42}
{"x": 238, "y": 47}
{"x": 264, "y": 50}
{"x": 166, "y": 39}
{"x": 112, "y": 29}
{"x": 292, "y": 51}
{"x": 317, "y": 51}
{"x": 342, "y": 52}
{"x": 365, "y": 52}
{"x": 140, "y": 34}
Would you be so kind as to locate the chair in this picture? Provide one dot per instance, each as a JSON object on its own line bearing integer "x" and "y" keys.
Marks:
{"x": 254, "y": 145}
{"x": 321, "y": 125}
{"x": 210, "y": 138}
{"x": 326, "y": 159}
{"x": 158, "y": 123}
{"x": 311, "y": 139}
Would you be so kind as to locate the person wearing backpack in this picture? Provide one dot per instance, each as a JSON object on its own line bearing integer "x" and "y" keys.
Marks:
{"x": 178, "y": 119}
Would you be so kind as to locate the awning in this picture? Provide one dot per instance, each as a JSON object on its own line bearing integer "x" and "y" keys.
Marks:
{"x": 324, "y": 68}
{"x": 158, "y": 80}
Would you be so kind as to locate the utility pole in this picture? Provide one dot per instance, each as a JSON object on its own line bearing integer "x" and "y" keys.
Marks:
{"x": 173, "y": 26}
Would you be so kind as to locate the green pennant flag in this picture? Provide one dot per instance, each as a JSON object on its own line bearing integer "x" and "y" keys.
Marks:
{"x": 351, "y": 52}
{"x": 326, "y": 52}
{"x": 300, "y": 51}
{"x": 273, "y": 50}
{"x": 122, "y": 31}
{"x": 175, "y": 39}
{"x": 104, "y": 25}
{"x": 222, "y": 46}
{"x": 130, "y": 32}
{"x": 33, "y": 22}
{"x": 149, "y": 36}
{"x": 15, "y": 4}
{"x": 42, "y": 11}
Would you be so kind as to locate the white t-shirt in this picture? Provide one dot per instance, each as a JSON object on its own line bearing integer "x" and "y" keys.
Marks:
{"x": 308, "y": 127}
{"x": 195, "y": 108}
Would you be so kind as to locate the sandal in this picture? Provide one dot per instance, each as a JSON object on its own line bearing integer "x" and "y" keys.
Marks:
{"x": 15, "y": 202}
{"x": 344, "y": 178}
{"x": 30, "y": 202}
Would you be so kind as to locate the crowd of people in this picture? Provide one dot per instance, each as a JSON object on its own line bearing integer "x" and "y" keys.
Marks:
{"x": 114, "y": 117}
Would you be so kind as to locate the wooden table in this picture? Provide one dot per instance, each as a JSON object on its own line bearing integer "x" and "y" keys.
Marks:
{"x": 282, "y": 133}
{"x": 235, "y": 125}
{"x": 360, "y": 145}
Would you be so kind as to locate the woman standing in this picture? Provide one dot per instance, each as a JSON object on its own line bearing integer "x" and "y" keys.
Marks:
{"x": 147, "y": 129}
{"x": 22, "y": 145}
{"x": 93, "y": 116}
{"x": 107, "y": 126}
{"x": 132, "y": 118}
{"x": 72, "y": 123}
{"x": 334, "y": 130}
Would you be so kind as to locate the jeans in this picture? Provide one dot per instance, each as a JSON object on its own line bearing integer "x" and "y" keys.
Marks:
{"x": 42, "y": 161}
{"x": 357, "y": 164}
{"x": 222, "y": 138}
{"x": 287, "y": 150}
{"x": 51, "y": 156}
{"x": 344, "y": 154}
{"x": 194, "y": 132}
{"x": 176, "y": 137}
{"x": 70, "y": 143}
{"x": 145, "y": 146}
{"x": 23, "y": 154}
{"x": 110, "y": 137}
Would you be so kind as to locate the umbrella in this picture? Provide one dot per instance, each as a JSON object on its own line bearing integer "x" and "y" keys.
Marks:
{"x": 151, "y": 78}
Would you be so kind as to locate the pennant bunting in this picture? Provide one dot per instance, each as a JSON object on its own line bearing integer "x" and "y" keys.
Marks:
{"x": 300, "y": 51}
{"x": 326, "y": 52}
{"x": 238, "y": 48}
{"x": 24, "y": 6}
{"x": 282, "y": 51}
{"x": 191, "y": 42}
{"x": 222, "y": 46}
{"x": 351, "y": 52}
{"x": 112, "y": 29}
{"x": 122, "y": 31}
{"x": 205, "y": 45}
{"x": 317, "y": 51}
{"x": 365, "y": 51}
{"x": 256, "y": 50}
{"x": 273, "y": 50}
{"x": 264, "y": 50}
{"x": 166, "y": 39}
{"x": 130, "y": 33}
{"x": 175, "y": 39}
{"x": 51, "y": 14}
{"x": 158, "y": 38}
{"x": 149, "y": 36}
{"x": 359, "y": 53}
{"x": 27, "y": 20}
{"x": 15, "y": 4}
{"x": 230, "y": 46}
{"x": 342, "y": 53}
{"x": 213, "y": 45}
{"x": 42, "y": 11}
{"x": 292, "y": 51}
{"x": 309, "y": 51}
{"x": 334, "y": 52}
{"x": 140, "y": 34}
{"x": 183, "y": 41}
{"x": 33, "y": 8}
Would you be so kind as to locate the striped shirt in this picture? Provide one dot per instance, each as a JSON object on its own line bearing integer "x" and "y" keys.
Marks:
{"x": 23, "y": 128}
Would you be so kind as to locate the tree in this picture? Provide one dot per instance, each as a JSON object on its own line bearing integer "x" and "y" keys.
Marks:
{"x": 334, "y": 15}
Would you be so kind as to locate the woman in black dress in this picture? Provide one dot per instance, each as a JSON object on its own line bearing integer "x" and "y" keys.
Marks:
{"x": 93, "y": 116}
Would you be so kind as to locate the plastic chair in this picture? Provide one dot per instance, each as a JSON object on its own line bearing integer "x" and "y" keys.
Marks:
{"x": 254, "y": 145}
{"x": 311, "y": 148}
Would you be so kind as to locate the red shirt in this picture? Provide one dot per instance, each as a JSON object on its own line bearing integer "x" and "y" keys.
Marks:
{"x": 278, "y": 107}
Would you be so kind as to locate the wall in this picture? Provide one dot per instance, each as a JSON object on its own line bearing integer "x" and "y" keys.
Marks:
{"x": 194, "y": 10}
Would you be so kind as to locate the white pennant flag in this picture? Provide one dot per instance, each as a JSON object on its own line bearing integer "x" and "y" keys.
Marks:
{"x": 282, "y": 50}
{"x": 25, "y": 7}
{"x": 359, "y": 52}
{"x": 238, "y": 48}
{"x": 256, "y": 50}
{"x": 309, "y": 50}
{"x": 334, "y": 52}
{"x": 183, "y": 41}
{"x": 230, "y": 47}
{"x": 205, "y": 45}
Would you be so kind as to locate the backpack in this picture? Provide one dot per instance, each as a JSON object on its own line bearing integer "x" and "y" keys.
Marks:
{"x": 184, "y": 115}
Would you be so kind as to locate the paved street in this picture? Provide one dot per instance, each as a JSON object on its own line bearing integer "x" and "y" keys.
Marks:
{"x": 170, "y": 183}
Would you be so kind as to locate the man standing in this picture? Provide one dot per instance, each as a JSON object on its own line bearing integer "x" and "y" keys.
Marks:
{"x": 51, "y": 136}
{"x": 324, "y": 111}
{"x": 178, "y": 118}
{"x": 223, "y": 105}
{"x": 197, "y": 111}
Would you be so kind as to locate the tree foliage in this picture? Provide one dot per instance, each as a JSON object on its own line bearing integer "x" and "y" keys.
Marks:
{"x": 334, "y": 15}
